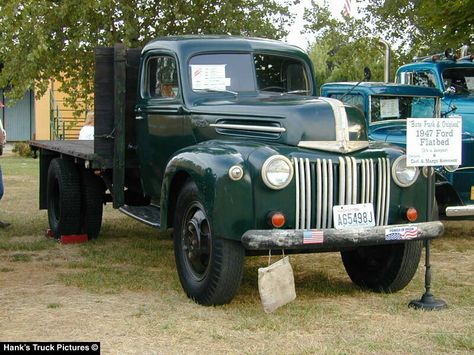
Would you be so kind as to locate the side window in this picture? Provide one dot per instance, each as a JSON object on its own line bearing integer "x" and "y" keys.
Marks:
{"x": 424, "y": 78}
{"x": 161, "y": 80}
{"x": 351, "y": 99}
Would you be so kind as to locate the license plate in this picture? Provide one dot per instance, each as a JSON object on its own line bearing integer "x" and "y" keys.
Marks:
{"x": 353, "y": 216}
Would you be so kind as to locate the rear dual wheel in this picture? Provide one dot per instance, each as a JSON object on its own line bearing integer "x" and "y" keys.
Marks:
{"x": 63, "y": 198}
{"x": 74, "y": 200}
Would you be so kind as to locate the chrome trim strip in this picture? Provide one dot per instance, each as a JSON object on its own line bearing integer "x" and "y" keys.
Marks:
{"x": 384, "y": 191}
{"x": 302, "y": 194}
{"x": 342, "y": 181}
{"x": 330, "y": 197}
{"x": 365, "y": 181}
{"x": 348, "y": 181}
{"x": 340, "y": 119}
{"x": 387, "y": 205}
{"x": 325, "y": 194}
{"x": 268, "y": 129}
{"x": 297, "y": 185}
{"x": 354, "y": 180}
{"x": 372, "y": 182}
{"x": 379, "y": 191}
{"x": 319, "y": 193}
{"x": 308, "y": 194}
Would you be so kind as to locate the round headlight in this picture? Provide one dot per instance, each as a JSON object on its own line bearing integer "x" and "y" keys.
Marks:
{"x": 403, "y": 175}
{"x": 277, "y": 172}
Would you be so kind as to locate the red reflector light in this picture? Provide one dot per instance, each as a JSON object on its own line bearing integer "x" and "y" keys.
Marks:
{"x": 278, "y": 220}
{"x": 434, "y": 58}
{"x": 412, "y": 214}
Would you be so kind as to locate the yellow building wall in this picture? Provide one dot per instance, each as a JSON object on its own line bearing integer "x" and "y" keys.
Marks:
{"x": 52, "y": 103}
{"x": 42, "y": 128}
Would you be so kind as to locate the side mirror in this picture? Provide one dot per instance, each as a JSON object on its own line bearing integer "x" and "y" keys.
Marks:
{"x": 367, "y": 74}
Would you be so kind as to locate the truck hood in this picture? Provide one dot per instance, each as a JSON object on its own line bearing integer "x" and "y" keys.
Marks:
{"x": 309, "y": 122}
{"x": 393, "y": 132}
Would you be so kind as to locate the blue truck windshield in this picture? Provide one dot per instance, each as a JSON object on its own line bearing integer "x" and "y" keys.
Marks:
{"x": 242, "y": 72}
{"x": 401, "y": 107}
{"x": 461, "y": 80}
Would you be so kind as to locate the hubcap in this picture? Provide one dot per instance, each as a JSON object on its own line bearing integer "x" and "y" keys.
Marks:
{"x": 196, "y": 241}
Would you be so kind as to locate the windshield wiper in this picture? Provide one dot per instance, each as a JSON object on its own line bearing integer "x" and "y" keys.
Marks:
{"x": 215, "y": 90}
{"x": 297, "y": 92}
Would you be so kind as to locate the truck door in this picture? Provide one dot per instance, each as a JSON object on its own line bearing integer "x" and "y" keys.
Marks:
{"x": 159, "y": 122}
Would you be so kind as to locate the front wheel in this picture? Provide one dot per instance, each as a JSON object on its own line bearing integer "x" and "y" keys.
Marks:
{"x": 210, "y": 269}
{"x": 383, "y": 268}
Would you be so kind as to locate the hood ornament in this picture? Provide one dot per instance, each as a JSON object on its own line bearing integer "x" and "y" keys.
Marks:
{"x": 342, "y": 144}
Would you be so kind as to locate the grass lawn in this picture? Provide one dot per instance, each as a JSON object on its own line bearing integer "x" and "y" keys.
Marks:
{"x": 123, "y": 291}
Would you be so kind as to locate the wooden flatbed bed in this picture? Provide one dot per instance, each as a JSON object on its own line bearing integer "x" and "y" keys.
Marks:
{"x": 75, "y": 148}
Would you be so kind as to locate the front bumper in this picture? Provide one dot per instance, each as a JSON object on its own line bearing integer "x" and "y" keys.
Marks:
{"x": 336, "y": 239}
{"x": 460, "y": 211}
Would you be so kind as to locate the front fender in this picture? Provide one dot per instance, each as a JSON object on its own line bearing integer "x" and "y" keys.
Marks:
{"x": 228, "y": 203}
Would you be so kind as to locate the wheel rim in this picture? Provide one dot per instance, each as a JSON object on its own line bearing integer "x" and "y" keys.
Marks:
{"x": 196, "y": 241}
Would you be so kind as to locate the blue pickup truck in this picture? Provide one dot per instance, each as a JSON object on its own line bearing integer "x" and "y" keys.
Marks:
{"x": 386, "y": 107}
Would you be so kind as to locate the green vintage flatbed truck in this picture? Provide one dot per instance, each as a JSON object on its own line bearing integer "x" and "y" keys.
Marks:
{"x": 223, "y": 140}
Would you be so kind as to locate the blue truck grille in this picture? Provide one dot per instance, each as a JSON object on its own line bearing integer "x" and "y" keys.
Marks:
{"x": 322, "y": 184}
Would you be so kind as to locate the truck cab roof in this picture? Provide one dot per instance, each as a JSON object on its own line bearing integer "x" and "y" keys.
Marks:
{"x": 379, "y": 88}
{"x": 193, "y": 44}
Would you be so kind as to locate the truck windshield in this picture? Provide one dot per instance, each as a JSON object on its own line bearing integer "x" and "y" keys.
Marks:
{"x": 244, "y": 72}
{"x": 401, "y": 107}
{"x": 460, "y": 79}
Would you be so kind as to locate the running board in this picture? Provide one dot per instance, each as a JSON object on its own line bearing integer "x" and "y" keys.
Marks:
{"x": 149, "y": 214}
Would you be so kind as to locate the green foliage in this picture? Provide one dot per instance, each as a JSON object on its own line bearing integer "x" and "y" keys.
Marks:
{"x": 423, "y": 26}
{"x": 44, "y": 39}
{"x": 22, "y": 149}
{"x": 343, "y": 48}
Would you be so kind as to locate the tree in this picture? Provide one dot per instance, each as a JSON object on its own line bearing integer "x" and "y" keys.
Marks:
{"x": 44, "y": 39}
{"x": 342, "y": 48}
{"x": 423, "y": 26}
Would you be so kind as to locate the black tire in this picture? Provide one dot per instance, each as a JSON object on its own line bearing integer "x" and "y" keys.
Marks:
{"x": 63, "y": 198}
{"x": 210, "y": 269}
{"x": 384, "y": 268}
{"x": 92, "y": 202}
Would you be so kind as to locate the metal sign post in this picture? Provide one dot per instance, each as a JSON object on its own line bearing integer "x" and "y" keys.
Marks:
{"x": 427, "y": 301}
{"x": 432, "y": 142}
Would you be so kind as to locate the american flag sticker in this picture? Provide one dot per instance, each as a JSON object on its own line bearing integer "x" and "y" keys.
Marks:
{"x": 313, "y": 236}
{"x": 401, "y": 233}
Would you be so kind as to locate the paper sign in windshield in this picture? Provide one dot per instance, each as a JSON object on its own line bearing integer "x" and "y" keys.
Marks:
{"x": 470, "y": 83}
{"x": 434, "y": 141}
{"x": 211, "y": 77}
{"x": 389, "y": 108}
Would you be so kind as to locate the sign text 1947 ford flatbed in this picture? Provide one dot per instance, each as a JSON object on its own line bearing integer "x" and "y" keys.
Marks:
{"x": 223, "y": 140}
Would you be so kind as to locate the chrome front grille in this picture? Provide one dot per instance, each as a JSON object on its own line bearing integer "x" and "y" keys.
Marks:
{"x": 321, "y": 184}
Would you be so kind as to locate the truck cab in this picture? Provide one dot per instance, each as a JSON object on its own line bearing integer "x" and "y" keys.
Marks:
{"x": 455, "y": 79}
{"x": 386, "y": 106}
{"x": 222, "y": 140}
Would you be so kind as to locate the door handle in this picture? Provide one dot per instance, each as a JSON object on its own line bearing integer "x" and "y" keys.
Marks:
{"x": 139, "y": 117}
